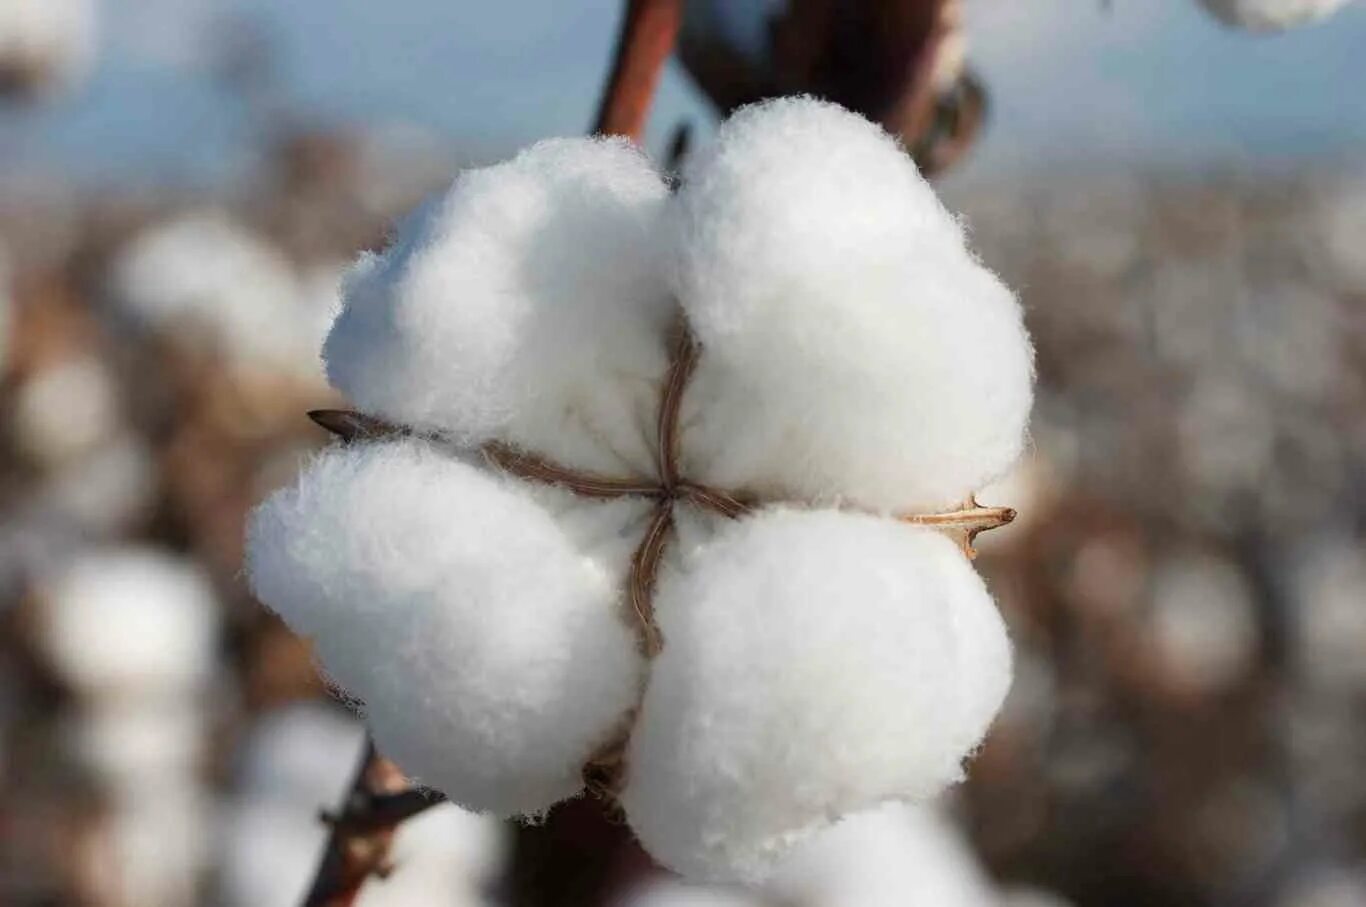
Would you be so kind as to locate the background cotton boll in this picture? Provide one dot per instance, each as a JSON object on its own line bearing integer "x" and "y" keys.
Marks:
{"x": 45, "y": 45}
{"x": 204, "y": 276}
{"x": 489, "y": 653}
{"x": 669, "y": 893}
{"x": 852, "y": 347}
{"x": 443, "y": 856}
{"x": 891, "y": 856}
{"x": 305, "y": 753}
{"x": 64, "y": 410}
{"x": 133, "y": 747}
{"x": 128, "y": 622}
{"x": 158, "y": 845}
{"x": 269, "y": 853}
{"x": 524, "y": 305}
{"x": 1271, "y": 15}
{"x": 1328, "y": 583}
{"x": 105, "y": 492}
{"x": 1203, "y": 621}
{"x": 815, "y": 663}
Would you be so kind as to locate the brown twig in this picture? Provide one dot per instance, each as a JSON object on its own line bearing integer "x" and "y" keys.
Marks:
{"x": 363, "y": 831}
{"x": 649, "y": 29}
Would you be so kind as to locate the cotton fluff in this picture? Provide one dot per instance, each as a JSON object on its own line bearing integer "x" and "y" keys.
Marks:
{"x": 523, "y": 305}
{"x": 1271, "y": 15}
{"x": 128, "y": 623}
{"x": 816, "y": 663}
{"x": 489, "y": 653}
{"x": 204, "y": 275}
{"x": 45, "y": 45}
{"x": 1203, "y": 621}
{"x": 854, "y": 349}
{"x": 891, "y": 856}
{"x": 66, "y": 410}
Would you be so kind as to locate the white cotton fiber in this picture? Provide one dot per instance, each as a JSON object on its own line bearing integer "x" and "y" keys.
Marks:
{"x": 890, "y": 856}
{"x": 672, "y": 893}
{"x": 853, "y": 347}
{"x": 815, "y": 663}
{"x": 1271, "y": 15}
{"x": 45, "y": 45}
{"x": 64, "y": 411}
{"x": 524, "y": 305}
{"x": 1203, "y": 621}
{"x": 306, "y": 752}
{"x": 206, "y": 276}
{"x": 128, "y": 622}
{"x": 489, "y": 653}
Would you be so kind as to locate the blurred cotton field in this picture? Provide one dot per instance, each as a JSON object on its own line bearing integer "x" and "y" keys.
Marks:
{"x": 1185, "y": 585}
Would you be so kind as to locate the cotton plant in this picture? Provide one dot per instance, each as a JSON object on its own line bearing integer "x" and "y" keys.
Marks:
{"x": 1271, "y": 15}
{"x": 667, "y": 495}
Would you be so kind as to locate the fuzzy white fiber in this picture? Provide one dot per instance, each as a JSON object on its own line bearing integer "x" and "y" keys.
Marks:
{"x": 129, "y": 623}
{"x": 1271, "y": 15}
{"x": 854, "y": 348}
{"x": 1204, "y": 621}
{"x": 490, "y": 655}
{"x": 65, "y": 411}
{"x": 204, "y": 275}
{"x": 524, "y": 305}
{"x": 815, "y": 664}
{"x": 50, "y": 42}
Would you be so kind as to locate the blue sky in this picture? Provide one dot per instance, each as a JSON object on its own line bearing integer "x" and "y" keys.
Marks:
{"x": 1148, "y": 81}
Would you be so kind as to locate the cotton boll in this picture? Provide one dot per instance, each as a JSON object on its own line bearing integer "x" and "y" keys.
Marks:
{"x": 1026, "y": 896}
{"x": 490, "y": 654}
{"x": 891, "y": 856}
{"x": 853, "y": 348}
{"x": 203, "y": 275}
{"x": 814, "y": 664}
{"x": 1271, "y": 15}
{"x": 269, "y": 852}
{"x": 64, "y": 411}
{"x": 1328, "y": 582}
{"x": 128, "y": 623}
{"x": 105, "y": 492}
{"x": 45, "y": 45}
{"x": 670, "y": 893}
{"x": 443, "y": 856}
{"x": 1203, "y": 621}
{"x": 159, "y": 846}
{"x": 133, "y": 747}
{"x": 305, "y": 753}
{"x": 524, "y": 305}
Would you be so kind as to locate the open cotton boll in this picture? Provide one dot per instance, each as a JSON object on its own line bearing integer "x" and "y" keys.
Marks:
{"x": 853, "y": 349}
{"x": 134, "y": 747}
{"x": 205, "y": 275}
{"x": 65, "y": 410}
{"x": 444, "y": 856}
{"x": 1203, "y": 621}
{"x": 304, "y": 753}
{"x": 891, "y": 856}
{"x": 128, "y": 623}
{"x": 488, "y": 651}
{"x": 524, "y": 305}
{"x": 671, "y": 893}
{"x": 814, "y": 664}
{"x": 45, "y": 45}
{"x": 1271, "y": 15}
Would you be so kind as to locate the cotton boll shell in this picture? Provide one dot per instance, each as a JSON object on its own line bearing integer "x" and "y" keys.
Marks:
{"x": 814, "y": 664}
{"x": 128, "y": 623}
{"x": 1271, "y": 15}
{"x": 489, "y": 653}
{"x": 524, "y": 305}
{"x": 891, "y": 856}
{"x": 853, "y": 349}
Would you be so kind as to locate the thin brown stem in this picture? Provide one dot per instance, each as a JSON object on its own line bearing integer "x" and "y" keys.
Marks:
{"x": 649, "y": 29}
{"x": 359, "y": 844}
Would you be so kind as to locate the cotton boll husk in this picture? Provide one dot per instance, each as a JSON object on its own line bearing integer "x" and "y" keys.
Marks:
{"x": 524, "y": 305}
{"x": 1271, "y": 15}
{"x": 815, "y": 663}
{"x": 1203, "y": 621}
{"x": 65, "y": 410}
{"x": 128, "y": 623}
{"x": 489, "y": 653}
{"x": 45, "y": 45}
{"x": 853, "y": 348}
{"x": 891, "y": 856}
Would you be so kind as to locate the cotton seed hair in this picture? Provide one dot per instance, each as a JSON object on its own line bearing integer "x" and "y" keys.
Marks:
{"x": 796, "y": 651}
